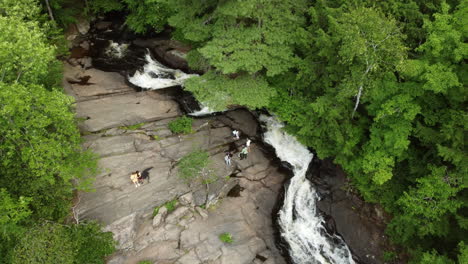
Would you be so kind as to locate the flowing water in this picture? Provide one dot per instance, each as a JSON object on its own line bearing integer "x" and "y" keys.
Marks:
{"x": 301, "y": 225}
{"x": 157, "y": 76}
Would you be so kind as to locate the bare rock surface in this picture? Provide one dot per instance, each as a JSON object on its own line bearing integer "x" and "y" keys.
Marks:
{"x": 129, "y": 130}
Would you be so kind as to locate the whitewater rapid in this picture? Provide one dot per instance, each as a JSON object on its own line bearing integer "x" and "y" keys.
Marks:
{"x": 301, "y": 225}
{"x": 155, "y": 76}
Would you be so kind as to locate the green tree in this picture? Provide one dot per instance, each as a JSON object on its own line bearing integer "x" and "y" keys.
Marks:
{"x": 194, "y": 166}
{"x": 147, "y": 14}
{"x": 44, "y": 243}
{"x": 90, "y": 244}
{"x": 40, "y": 148}
{"x": 25, "y": 55}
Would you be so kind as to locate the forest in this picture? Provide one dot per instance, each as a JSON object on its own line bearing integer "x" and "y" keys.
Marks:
{"x": 379, "y": 87}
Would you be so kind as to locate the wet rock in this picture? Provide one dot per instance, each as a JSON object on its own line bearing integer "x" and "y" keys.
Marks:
{"x": 360, "y": 224}
{"x": 169, "y": 52}
{"x": 159, "y": 218}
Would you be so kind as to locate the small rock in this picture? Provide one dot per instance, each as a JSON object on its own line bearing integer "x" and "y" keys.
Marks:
{"x": 159, "y": 218}
{"x": 203, "y": 212}
{"x": 186, "y": 199}
{"x": 85, "y": 45}
{"x": 83, "y": 26}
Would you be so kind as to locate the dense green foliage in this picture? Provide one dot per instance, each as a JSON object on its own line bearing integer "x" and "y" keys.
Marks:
{"x": 55, "y": 243}
{"x": 181, "y": 125}
{"x": 379, "y": 86}
{"x": 42, "y": 160}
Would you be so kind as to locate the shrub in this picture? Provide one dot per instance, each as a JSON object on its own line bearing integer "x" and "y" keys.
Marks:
{"x": 171, "y": 205}
{"x": 145, "y": 262}
{"x": 226, "y": 238}
{"x": 181, "y": 125}
{"x": 195, "y": 166}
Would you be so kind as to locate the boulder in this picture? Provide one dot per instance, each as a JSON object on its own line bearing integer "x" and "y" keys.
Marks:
{"x": 169, "y": 52}
{"x": 186, "y": 199}
{"x": 242, "y": 120}
{"x": 83, "y": 26}
{"x": 199, "y": 197}
{"x": 159, "y": 218}
{"x": 220, "y": 189}
{"x": 178, "y": 214}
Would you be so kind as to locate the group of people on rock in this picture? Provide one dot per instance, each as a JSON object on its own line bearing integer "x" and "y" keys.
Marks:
{"x": 244, "y": 151}
{"x": 137, "y": 178}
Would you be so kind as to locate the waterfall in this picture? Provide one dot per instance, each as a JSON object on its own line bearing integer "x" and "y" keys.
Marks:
{"x": 301, "y": 226}
{"x": 157, "y": 76}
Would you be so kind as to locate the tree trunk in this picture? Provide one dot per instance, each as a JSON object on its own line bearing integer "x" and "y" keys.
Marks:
{"x": 50, "y": 10}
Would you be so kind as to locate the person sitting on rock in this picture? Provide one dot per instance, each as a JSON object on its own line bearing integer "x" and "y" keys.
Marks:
{"x": 139, "y": 177}
{"x": 134, "y": 178}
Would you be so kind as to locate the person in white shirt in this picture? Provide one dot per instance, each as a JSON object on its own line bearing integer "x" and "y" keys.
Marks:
{"x": 227, "y": 159}
{"x": 235, "y": 134}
